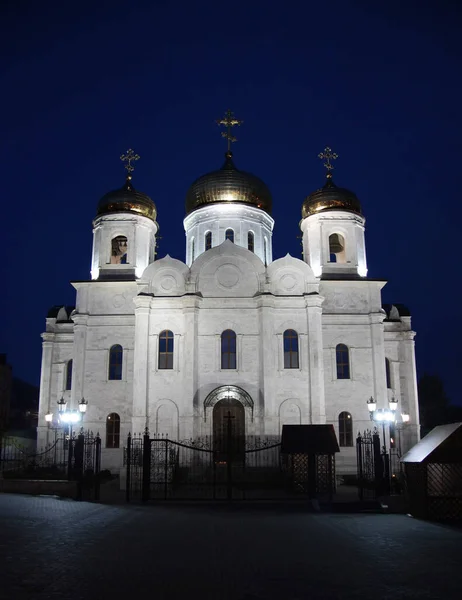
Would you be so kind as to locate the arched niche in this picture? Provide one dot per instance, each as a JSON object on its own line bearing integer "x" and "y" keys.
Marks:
{"x": 289, "y": 413}
{"x": 232, "y": 392}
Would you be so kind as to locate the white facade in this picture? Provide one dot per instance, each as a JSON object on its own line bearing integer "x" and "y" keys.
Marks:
{"x": 228, "y": 287}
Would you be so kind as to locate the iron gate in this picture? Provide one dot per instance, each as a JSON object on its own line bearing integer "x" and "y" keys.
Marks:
{"x": 373, "y": 466}
{"x": 85, "y": 464}
{"x": 205, "y": 468}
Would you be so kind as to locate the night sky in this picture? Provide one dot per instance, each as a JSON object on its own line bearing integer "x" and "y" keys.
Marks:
{"x": 379, "y": 82}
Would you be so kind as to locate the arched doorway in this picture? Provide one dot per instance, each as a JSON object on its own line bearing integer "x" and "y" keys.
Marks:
{"x": 229, "y": 404}
{"x": 229, "y": 429}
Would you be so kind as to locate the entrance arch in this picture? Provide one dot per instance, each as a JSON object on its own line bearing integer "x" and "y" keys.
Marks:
{"x": 225, "y": 392}
{"x": 229, "y": 407}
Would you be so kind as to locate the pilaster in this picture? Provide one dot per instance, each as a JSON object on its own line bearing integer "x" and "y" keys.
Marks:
{"x": 79, "y": 357}
{"x": 45, "y": 401}
{"x": 265, "y": 405}
{"x": 316, "y": 397}
{"x": 140, "y": 363}
{"x": 190, "y": 375}
{"x": 378, "y": 360}
{"x": 409, "y": 393}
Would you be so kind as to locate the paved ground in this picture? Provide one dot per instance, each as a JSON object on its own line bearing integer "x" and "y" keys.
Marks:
{"x": 62, "y": 549}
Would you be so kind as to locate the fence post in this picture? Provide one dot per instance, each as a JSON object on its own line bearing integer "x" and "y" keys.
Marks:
{"x": 166, "y": 469}
{"x": 386, "y": 472}
{"x": 359, "y": 460}
{"x": 146, "y": 466}
{"x": 97, "y": 466}
{"x": 79, "y": 443}
{"x": 129, "y": 466}
{"x": 378, "y": 462}
{"x": 70, "y": 454}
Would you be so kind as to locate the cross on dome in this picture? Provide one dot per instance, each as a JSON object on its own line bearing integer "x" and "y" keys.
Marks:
{"x": 328, "y": 155}
{"x": 128, "y": 158}
{"x": 229, "y": 121}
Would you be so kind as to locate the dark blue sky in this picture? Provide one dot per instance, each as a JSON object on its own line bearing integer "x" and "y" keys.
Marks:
{"x": 377, "y": 81}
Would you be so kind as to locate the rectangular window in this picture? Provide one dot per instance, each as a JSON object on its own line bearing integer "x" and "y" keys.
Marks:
{"x": 115, "y": 362}
{"x": 166, "y": 350}
{"x": 228, "y": 349}
{"x": 343, "y": 361}
{"x": 290, "y": 349}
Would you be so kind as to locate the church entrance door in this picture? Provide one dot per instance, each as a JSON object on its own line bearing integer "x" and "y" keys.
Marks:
{"x": 229, "y": 430}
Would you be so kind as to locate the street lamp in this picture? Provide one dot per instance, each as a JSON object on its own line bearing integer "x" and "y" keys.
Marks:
{"x": 371, "y": 405}
{"x": 68, "y": 417}
{"x": 382, "y": 415}
{"x": 83, "y": 406}
{"x": 393, "y": 404}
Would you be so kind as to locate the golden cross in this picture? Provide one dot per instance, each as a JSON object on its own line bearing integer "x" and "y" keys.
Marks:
{"x": 229, "y": 120}
{"x": 328, "y": 155}
{"x": 128, "y": 158}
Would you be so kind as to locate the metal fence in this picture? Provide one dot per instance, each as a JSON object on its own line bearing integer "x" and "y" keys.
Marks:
{"x": 51, "y": 462}
{"x": 76, "y": 458}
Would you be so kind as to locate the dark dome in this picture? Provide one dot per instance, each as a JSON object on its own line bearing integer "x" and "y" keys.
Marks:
{"x": 330, "y": 197}
{"x": 228, "y": 184}
{"x": 127, "y": 199}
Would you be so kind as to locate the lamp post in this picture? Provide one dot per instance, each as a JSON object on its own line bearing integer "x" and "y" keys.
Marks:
{"x": 382, "y": 415}
{"x": 70, "y": 418}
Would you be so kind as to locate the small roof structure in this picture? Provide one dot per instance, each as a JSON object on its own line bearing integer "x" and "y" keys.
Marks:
{"x": 442, "y": 445}
{"x": 309, "y": 439}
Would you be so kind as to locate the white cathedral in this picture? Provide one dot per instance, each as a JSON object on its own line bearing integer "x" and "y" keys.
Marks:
{"x": 173, "y": 346}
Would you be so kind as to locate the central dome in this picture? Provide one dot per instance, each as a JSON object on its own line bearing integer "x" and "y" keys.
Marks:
{"x": 228, "y": 185}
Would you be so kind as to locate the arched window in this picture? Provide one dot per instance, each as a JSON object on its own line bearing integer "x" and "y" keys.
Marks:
{"x": 166, "y": 350}
{"x": 228, "y": 349}
{"x": 229, "y": 235}
{"x": 345, "y": 429}
{"x": 115, "y": 362}
{"x": 208, "y": 240}
{"x": 388, "y": 373}
{"x": 290, "y": 349}
{"x": 337, "y": 248}
{"x": 251, "y": 241}
{"x": 343, "y": 361}
{"x": 69, "y": 375}
{"x": 119, "y": 247}
{"x": 192, "y": 250}
{"x": 113, "y": 431}
{"x": 265, "y": 251}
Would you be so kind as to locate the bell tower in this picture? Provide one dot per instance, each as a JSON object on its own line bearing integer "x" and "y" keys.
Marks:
{"x": 124, "y": 231}
{"x": 333, "y": 229}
